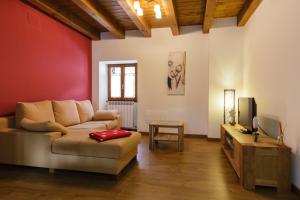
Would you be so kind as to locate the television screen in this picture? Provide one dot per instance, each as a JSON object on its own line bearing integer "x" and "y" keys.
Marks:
{"x": 246, "y": 113}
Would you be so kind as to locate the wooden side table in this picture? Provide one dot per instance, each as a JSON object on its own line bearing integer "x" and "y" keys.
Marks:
{"x": 155, "y": 136}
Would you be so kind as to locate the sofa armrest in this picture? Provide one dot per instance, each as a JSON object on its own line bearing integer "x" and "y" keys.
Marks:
{"x": 7, "y": 122}
{"x": 119, "y": 121}
{"x": 22, "y": 147}
{"x": 12, "y": 132}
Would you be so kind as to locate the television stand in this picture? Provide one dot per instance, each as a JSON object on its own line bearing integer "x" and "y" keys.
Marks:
{"x": 262, "y": 163}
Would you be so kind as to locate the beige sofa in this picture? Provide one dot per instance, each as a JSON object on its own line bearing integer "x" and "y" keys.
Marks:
{"x": 73, "y": 151}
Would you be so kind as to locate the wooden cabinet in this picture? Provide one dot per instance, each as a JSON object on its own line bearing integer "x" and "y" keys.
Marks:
{"x": 262, "y": 163}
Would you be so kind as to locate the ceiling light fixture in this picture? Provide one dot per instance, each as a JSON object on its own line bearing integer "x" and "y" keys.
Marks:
{"x": 158, "y": 14}
{"x": 157, "y": 11}
{"x": 140, "y": 12}
{"x": 136, "y": 5}
{"x": 156, "y": 8}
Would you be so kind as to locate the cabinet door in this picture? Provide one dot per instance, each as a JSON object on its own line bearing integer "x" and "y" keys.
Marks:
{"x": 222, "y": 135}
{"x": 266, "y": 165}
{"x": 237, "y": 157}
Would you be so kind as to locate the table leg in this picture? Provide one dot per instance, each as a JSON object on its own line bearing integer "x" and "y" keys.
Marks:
{"x": 155, "y": 142}
{"x": 150, "y": 136}
{"x": 156, "y": 128}
{"x": 182, "y": 138}
{"x": 179, "y": 139}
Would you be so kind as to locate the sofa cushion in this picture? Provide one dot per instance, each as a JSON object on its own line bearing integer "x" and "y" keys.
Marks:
{"x": 46, "y": 126}
{"x": 92, "y": 126}
{"x": 36, "y": 111}
{"x": 105, "y": 115}
{"x": 113, "y": 124}
{"x": 81, "y": 145}
{"x": 85, "y": 110}
{"x": 65, "y": 112}
{"x": 88, "y": 126}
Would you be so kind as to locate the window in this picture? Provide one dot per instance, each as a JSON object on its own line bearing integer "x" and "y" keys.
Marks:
{"x": 122, "y": 82}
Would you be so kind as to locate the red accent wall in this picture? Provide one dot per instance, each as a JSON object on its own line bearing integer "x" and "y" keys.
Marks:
{"x": 40, "y": 58}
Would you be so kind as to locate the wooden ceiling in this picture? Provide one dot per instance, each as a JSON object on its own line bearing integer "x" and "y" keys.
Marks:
{"x": 91, "y": 17}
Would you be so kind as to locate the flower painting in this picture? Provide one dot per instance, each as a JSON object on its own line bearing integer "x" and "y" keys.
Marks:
{"x": 176, "y": 73}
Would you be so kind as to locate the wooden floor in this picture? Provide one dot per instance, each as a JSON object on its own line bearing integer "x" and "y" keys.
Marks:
{"x": 200, "y": 172}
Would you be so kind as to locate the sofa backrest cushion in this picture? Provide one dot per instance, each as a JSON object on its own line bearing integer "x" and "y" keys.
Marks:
{"x": 85, "y": 110}
{"x": 46, "y": 126}
{"x": 36, "y": 111}
{"x": 65, "y": 112}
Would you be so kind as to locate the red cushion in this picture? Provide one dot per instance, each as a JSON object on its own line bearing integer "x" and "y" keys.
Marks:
{"x": 101, "y": 136}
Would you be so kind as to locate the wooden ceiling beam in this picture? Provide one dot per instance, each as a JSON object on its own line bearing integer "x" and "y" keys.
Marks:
{"x": 171, "y": 15}
{"x": 247, "y": 11}
{"x": 139, "y": 21}
{"x": 66, "y": 18}
{"x": 210, "y": 8}
{"x": 101, "y": 17}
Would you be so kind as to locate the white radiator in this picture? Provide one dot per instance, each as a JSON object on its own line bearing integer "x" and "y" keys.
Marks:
{"x": 127, "y": 110}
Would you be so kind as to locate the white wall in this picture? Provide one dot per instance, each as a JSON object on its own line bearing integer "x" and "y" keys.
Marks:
{"x": 152, "y": 56}
{"x": 103, "y": 85}
{"x": 261, "y": 60}
{"x": 99, "y": 86}
{"x": 219, "y": 50}
{"x": 225, "y": 72}
{"x": 272, "y": 72}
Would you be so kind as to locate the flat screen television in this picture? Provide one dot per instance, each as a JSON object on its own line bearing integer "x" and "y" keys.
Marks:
{"x": 246, "y": 113}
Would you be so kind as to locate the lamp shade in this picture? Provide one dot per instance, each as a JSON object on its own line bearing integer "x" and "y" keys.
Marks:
{"x": 136, "y": 5}
{"x": 158, "y": 15}
{"x": 229, "y": 106}
{"x": 140, "y": 12}
{"x": 156, "y": 8}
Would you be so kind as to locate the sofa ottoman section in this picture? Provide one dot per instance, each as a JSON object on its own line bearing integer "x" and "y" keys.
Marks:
{"x": 110, "y": 156}
{"x": 83, "y": 145}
